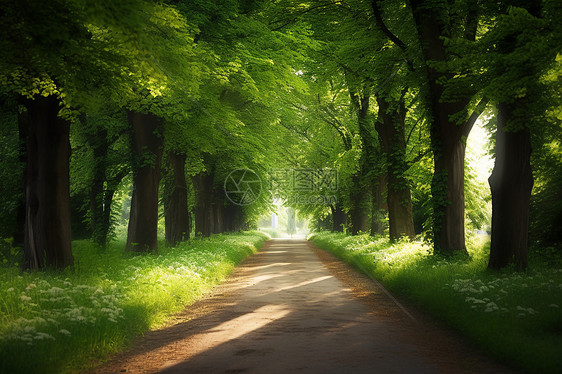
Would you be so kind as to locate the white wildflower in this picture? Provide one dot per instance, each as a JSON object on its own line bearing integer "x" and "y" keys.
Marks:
{"x": 55, "y": 291}
{"x": 64, "y": 332}
{"x": 29, "y": 329}
{"x": 30, "y": 286}
{"x": 43, "y": 336}
{"x": 491, "y": 307}
{"x": 553, "y": 306}
{"x": 11, "y": 289}
{"x": 25, "y": 298}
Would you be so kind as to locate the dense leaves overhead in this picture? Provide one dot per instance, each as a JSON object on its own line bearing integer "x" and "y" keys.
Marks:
{"x": 385, "y": 92}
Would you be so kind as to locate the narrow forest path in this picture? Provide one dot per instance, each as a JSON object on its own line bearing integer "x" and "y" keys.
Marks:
{"x": 294, "y": 308}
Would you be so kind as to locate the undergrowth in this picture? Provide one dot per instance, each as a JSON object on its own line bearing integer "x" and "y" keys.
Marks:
{"x": 67, "y": 321}
{"x": 515, "y": 317}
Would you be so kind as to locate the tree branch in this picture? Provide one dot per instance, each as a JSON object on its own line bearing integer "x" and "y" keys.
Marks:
{"x": 393, "y": 38}
{"x": 474, "y": 116}
{"x": 378, "y": 16}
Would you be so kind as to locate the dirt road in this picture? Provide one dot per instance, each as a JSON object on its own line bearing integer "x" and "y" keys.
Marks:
{"x": 294, "y": 309}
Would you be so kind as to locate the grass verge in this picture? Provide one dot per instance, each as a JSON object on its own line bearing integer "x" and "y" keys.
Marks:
{"x": 65, "y": 321}
{"x": 515, "y": 317}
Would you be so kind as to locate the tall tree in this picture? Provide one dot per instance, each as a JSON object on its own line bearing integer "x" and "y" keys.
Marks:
{"x": 146, "y": 137}
{"x": 100, "y": 161}
{"x": 176, "y": 212}
{"x": 38, "y": 66}
{"x": 47, "y": 224}
{"x": 390, "y": 127}
{"x": 521, "y": 48}
{"x": 360, "y": 101}
{"x": 450, "y": 123}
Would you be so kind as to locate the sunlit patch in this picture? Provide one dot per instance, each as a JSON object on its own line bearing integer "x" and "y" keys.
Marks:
{"x": 306, "y": 283}
{"x": 236, "y": 328}
{"x": 271, "y": 265}
{"x": 262, "y": 278}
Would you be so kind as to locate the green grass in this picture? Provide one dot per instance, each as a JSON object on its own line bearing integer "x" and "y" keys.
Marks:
{"x": 515, "y": 317}
{"x": 67, "y": 321}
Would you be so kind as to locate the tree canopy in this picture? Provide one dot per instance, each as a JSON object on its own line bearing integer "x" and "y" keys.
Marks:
{"x": 366, "y": 106}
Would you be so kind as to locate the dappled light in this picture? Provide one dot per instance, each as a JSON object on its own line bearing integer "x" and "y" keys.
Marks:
{"x": 149, "y": 148}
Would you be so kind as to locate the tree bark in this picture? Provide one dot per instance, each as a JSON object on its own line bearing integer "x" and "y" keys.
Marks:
{"x": 142, "y": 234}
{"x": 107, "y": 224}
{"x": 390, "y": 128}
{"x": 447, "y": 189}
{"x": 447, "y": 137}
{"x": 359, "y": 208}
{"x": 47, "y": 239}
{"x": 176, "y": 215}
{"x": 511, "y": 183}
{"x": 339, "y": 218}
{"x": 379, "y": 205}
{"x": 358, "y": 211}
{"x": 99, "y": 144}
{"x": 203, "y": 210}
{"x": 233, "y": 218}
{"x": 218, "y": 212}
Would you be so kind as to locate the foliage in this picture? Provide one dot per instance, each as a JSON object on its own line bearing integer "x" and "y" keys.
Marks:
{"x": 11, "y": 173}
{"x": 546, "y": 207}
{"x": 68, "y": 321}
{"x": 269, "y": 85}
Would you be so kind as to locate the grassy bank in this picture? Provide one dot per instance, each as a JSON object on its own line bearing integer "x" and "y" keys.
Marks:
{"x": 513, "y": 316}
{"x": 62, "y": 322}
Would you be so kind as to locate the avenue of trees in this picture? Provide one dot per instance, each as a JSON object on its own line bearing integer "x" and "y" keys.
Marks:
{"x": 163, "y": 99}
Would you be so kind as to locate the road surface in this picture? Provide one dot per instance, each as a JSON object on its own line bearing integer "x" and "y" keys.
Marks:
{"x": 293, "y": 308}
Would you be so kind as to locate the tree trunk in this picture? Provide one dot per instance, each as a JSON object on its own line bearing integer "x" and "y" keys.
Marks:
{"x": 47, "y": 240}
{"x": 511, "y": 183}
{"x": 218, "y": 211}
{"x": 203, "y": 210}
{"x": 142, "y": 233}
{"x": 177, "y": 214}
{"x": 358, "y": 211}
{"x": 447, "y": 189}
{"x": 107, "y": 204}
{"x": 233, "y": 218}
{"x": 447, "y": 136}
{"x": 379, "y": 205}
{"x": 219, "y": 217}
{"x": 390, "y": 128}
{"x": 100, "y": 145}
{"x": 339, "y": 217}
